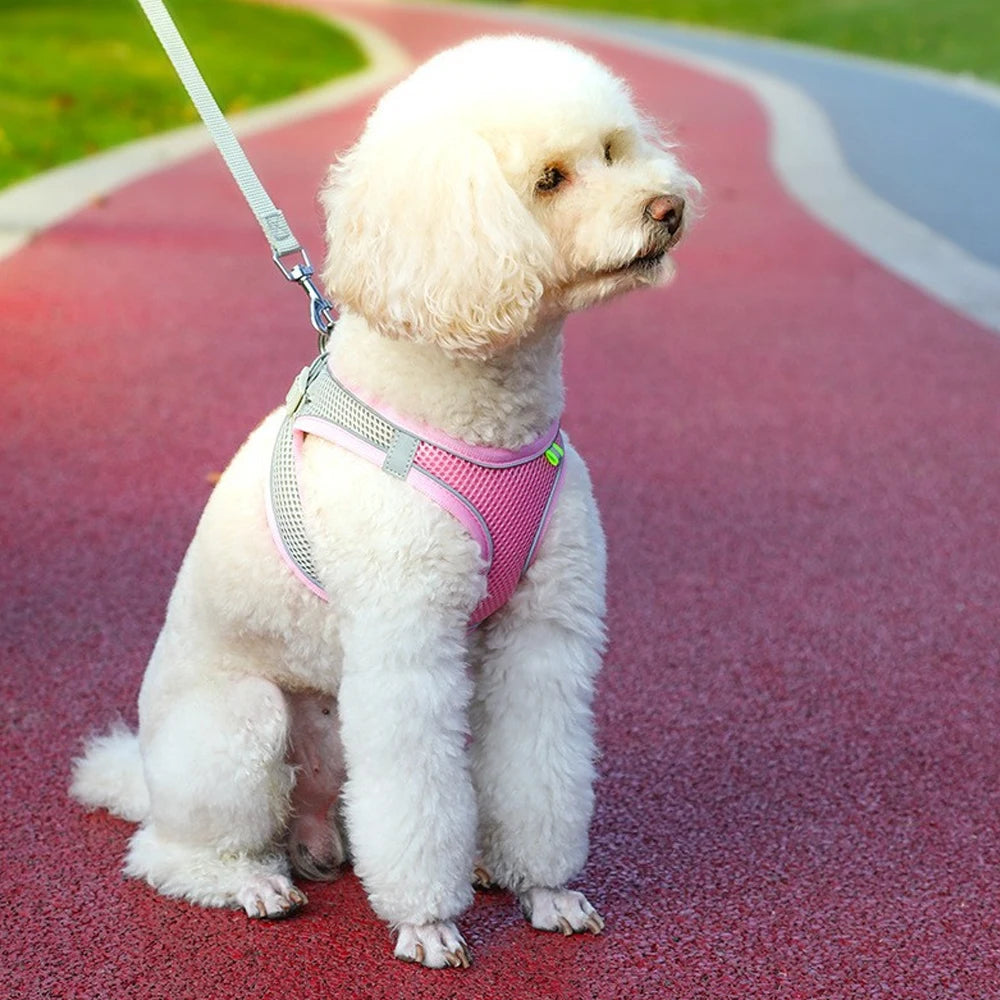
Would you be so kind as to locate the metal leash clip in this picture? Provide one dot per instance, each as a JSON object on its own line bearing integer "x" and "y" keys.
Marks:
{"x": 320, "y": 309}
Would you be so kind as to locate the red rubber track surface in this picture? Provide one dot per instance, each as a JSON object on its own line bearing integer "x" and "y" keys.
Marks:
{"x": 796, "y": 457}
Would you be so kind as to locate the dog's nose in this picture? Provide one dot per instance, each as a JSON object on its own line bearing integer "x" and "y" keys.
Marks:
{"x": 668, "y": 210}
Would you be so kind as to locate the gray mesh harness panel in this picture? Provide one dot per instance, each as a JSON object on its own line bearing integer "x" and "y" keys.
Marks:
{"x": 316, "y": 393}
{"x": 326, "y": 398}
{"x": 286, "y": 504}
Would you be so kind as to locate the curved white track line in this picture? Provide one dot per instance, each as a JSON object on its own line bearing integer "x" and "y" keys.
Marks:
{"x": 32, "y": 206}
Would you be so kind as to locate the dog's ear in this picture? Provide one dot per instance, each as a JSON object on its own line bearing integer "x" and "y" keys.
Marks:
{"x": 428, "y": 241}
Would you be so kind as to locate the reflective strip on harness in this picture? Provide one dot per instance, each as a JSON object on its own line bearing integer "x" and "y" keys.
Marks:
{"x": 503, "y": 498}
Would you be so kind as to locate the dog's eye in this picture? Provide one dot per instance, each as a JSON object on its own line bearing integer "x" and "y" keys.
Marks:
{"x": 551, "y": 178}
{"x": 607, "y": 154}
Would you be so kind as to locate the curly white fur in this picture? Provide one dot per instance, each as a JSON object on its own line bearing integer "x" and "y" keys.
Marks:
{"x": 505, "y": 183}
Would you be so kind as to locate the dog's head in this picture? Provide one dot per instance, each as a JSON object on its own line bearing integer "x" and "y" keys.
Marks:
{"x": 505, "y": 179}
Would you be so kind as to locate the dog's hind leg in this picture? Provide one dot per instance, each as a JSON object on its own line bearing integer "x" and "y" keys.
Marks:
{"x": 219, "y": 789}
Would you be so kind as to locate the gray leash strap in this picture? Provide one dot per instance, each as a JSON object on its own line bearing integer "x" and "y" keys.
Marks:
{"x": 272, "y": 221}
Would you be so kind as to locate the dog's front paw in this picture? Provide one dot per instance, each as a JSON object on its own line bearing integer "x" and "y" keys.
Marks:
{"x": 270, "y": 897}
{"x": 436, "y": 945}
{"x": 560, "y": 910}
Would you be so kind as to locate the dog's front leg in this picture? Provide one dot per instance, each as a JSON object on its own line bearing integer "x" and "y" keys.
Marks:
{"x": 410, "y": 805}
{"x": 533, "y": 748}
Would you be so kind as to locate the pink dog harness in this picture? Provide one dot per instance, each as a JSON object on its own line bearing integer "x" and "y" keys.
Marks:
{"x": 503, "y": 498}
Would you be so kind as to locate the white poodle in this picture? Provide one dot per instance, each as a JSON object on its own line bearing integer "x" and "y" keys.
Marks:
{"x": 504, "y": 184}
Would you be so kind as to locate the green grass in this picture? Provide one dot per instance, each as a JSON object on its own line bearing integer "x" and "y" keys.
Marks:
{"x": 77, "y": 76}
{"x": 958, "y": 36}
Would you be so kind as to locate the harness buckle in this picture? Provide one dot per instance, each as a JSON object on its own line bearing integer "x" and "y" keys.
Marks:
{"x": 297, "y": 393}
{"x": 320, "y": 309}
